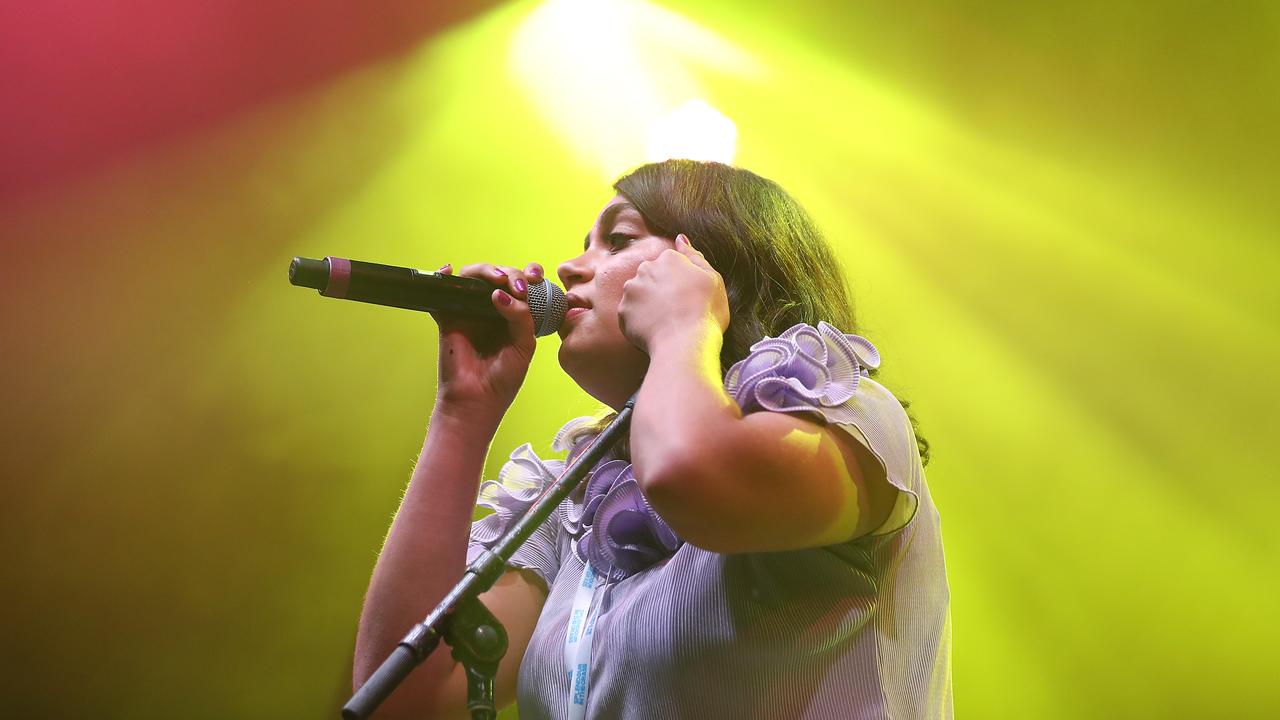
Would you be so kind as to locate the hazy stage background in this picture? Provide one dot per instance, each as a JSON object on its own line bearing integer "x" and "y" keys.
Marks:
{"x": 1060, "y": 222}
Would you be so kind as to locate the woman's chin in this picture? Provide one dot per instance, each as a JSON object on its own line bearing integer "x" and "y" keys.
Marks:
{"x": 609, "y": 373}
{"x": 573, "y": 360}
{"x": 578, "y": 358}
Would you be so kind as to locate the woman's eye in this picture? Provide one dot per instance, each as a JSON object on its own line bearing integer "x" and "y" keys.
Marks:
{"x": 618, "y": 239}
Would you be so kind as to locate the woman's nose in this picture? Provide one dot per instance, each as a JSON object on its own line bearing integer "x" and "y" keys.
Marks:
{"x": 573, "y": 272}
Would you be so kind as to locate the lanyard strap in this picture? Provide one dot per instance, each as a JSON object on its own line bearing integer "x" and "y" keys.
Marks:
{"x": 577, "y": 642}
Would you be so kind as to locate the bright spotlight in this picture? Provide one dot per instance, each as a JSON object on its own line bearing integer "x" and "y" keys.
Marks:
{"x": 605, "y": 75}
{"x": 693, "y": 131}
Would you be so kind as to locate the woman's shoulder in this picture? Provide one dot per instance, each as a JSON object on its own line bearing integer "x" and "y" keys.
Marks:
{"x": 825, "y": 374}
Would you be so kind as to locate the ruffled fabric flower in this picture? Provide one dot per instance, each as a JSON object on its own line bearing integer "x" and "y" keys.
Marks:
{"x": 804, "y": 370}
{"x": 576, "y": 435}
{"x": 615, "y": 529}
{"x": 520, "y": 482}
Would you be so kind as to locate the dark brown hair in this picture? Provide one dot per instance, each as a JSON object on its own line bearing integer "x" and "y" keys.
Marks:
{"x": 777, "y": 267}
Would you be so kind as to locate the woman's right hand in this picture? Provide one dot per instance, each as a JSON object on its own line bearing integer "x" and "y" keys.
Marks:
{"x": 482, "y": 366}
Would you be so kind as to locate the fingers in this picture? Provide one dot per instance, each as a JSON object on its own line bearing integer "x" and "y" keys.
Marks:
{"x": 519, "y": 321}
{"x": 513, "y": 280}
{"x": 510, "y": 296}
{"x": 686, "y": 248}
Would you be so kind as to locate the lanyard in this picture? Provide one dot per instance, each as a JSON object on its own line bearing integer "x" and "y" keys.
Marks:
{"x": 577, "y": 642}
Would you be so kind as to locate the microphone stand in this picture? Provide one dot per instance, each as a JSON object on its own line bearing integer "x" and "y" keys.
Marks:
{"x": 478, "y": 640}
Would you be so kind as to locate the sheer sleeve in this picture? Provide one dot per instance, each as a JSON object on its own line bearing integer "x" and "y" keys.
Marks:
{"x": 823, "y": 373}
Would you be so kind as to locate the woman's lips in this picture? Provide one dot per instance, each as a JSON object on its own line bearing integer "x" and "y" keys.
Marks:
{"x": 574, "y": 312}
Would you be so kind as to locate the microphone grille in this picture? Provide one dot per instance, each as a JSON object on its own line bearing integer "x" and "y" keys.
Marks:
{"x": 547, "y": 304}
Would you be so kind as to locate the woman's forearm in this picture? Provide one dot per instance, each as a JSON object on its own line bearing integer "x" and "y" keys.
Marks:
{"x": 424, "y": 552}
{"x": 682, "y": 403}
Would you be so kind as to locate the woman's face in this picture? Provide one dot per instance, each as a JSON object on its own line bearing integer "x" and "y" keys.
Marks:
{"x": 593, "y": 349}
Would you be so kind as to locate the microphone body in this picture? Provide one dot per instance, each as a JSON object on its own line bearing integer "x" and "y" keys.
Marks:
{"x": 423, "y": 291}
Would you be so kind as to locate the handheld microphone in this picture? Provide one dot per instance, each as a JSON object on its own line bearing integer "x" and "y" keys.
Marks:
{"x": 424, "y": 291}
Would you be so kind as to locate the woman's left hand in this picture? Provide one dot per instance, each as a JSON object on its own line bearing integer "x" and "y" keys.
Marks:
{"x": 671, "y": 296}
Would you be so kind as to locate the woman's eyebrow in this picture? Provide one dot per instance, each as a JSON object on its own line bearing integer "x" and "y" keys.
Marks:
{"x": 608, "y": 217}
{"x": 611, "y": 213}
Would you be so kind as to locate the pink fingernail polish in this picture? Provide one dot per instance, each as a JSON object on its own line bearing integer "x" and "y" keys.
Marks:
{"x": 520, "y": 285}
{"x": 504, "y": 298}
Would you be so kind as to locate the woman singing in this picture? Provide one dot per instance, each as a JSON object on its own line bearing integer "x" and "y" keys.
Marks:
{"x": 764, "y": 545}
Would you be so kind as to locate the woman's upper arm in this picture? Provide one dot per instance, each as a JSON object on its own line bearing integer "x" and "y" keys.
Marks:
{"x": 776, "y": 482}
{"x": 516, "y": 599}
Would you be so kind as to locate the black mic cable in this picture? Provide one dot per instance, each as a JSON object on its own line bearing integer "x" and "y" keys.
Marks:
{"x": 424, "y": 291}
